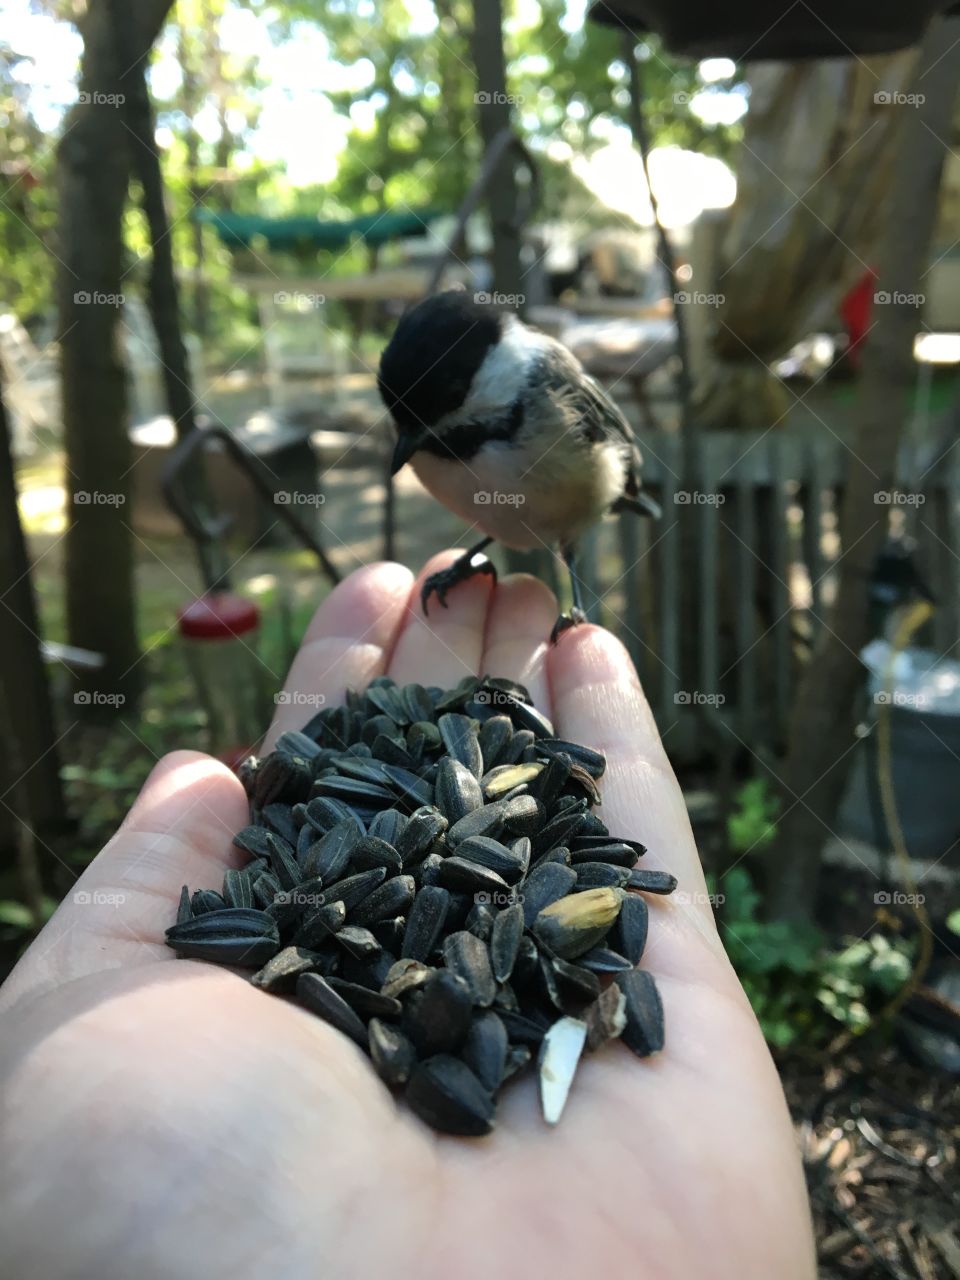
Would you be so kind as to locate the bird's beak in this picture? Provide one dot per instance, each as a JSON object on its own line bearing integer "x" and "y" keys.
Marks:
{"x": 407, "y": 446}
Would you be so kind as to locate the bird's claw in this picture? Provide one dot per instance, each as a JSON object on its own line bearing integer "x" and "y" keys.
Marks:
{"x": 460, "y": 571}
{"x": 565, "y": 622}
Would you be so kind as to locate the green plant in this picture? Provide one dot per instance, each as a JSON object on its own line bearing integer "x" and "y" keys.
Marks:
{"x": 799, "y": 984}
{"x": 753, "y": 824}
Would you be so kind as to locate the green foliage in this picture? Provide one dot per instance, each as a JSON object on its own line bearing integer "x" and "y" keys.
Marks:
{"x": 801, "y": 986}
{"x": 753, "y": 824}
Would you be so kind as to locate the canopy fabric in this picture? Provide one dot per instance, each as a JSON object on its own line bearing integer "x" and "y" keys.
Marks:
{"x": 784, "y": 29}
{"x": 237, "y": 230}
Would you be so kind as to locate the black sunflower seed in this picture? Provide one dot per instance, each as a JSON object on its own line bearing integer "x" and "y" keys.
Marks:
{"x": 493, "y": 737}
{"x": 423, "y": 737}
{"x": 445, "y": 1093}
{"x": 603, "y": 960}
{"x": 470, "y": 877}
{"x": 600, "y": 875}
{"x": 253, "y": 840}
{"x": 359, "y": 942}
{"x": 410, "y": 785}
{"x": 324, "y": 813}
{"x": 480, "y": 921}
{"x": 388, "y": 825}
{"x": 394, "y": 1057}
{"x": 522, "y": 815}
{"x": 279, "y": 818}
{"x": 437, "y": 1015}
{"x": 514, "y": 751}
{"x": 560, "y": 855}
{"x": 460, "y": 739}
{"x": 390, "y": 751}
{"x": 281, "y": 973}
{"x": 485, "y": 1050}
{"x": 551, "y": 780}
{"x": 558, "y": 831}
{"x": 545, "y": 884}
{"x": 428, "y": 872}
{"x": 454, "y": 699}
{"x": 318, "y": 926}
{"x": 466, "y": 955}
{"x": 522, "y": 1030}
{"x": 282, "y": 777}
{"x": 492, "y": 855}
{"x": 457, "y": 790}
{"x": 206, "y": 900}
{"x": 619, "y": 853}
{"x": 265, "y": 890}
{"x": 294, "y": 743}
{"x": 423, "y": 828}
{"x": 352, "y": 890}
{"x": 388, "y": 701}
{"x": 184, "y": 907}
{"x": 425, "y": 921}
{"x": 237, "y": 935}
{"x": 416, "y": 703}
{"x": 364, "y": 1001}
{"x": 316, "y": 994}
{"x": 371, "y": 851}
{"x": 630, "y": 931}
{"x": 643, "y": 1032}
{"x": 505, "y": 941}
{"x": 652, "y": 881}
{"x": 485, "y": 821}
{"x": 283, "y": 862}
{"x": 389, "y": 933}
{"x": 390, "y": 899}
{"x": 370, "y": 794}
{"x": 592, "y": 761}
{"x": 568, "y": 986}
{"x": 527, "y": 717}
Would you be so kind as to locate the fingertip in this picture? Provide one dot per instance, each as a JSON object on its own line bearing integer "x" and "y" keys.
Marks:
{"x": 371, "y": 595}
{"x": 521, "y": 615}
{"x": 182, "y": 785}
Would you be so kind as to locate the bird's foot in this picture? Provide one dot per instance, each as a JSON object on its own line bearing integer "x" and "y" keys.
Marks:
{"x": 460, "y": 571}
{"x": 565, "y": 622}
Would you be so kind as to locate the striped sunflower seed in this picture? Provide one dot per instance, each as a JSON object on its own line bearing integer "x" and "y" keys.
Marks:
{"x": 446, "y": 1094}
{"x": 394, "y": 1057}
{"x": 643, "y": 1032}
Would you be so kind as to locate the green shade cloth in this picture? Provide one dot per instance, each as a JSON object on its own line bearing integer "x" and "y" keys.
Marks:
{"x": 238, "y": 229}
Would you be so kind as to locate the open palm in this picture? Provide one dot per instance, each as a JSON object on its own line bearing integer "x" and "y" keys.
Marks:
{"x": 163, "y": 1119}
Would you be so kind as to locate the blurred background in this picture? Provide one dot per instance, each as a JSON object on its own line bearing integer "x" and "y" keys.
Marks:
{"x": 746, "y": 224}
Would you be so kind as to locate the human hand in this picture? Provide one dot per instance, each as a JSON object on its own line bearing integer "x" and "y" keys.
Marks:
{"x": 163, "y": 1120}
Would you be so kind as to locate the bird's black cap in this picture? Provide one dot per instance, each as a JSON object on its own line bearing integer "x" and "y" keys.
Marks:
{"x": 429, "y": 363}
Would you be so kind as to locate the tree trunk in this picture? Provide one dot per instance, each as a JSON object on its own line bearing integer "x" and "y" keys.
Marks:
{"x": 30, "y": 790}
{"x": 94, "y": 164}
{"x": 822, "y": 728}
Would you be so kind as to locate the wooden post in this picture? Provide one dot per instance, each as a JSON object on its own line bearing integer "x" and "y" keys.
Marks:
{"x": 821, "y": 732}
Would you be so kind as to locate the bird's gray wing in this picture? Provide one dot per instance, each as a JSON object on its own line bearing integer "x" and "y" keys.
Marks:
{"x": 596, "y": 417}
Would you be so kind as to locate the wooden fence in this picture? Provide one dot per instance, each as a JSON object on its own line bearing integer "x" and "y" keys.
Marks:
{"x": 720, "y": 609}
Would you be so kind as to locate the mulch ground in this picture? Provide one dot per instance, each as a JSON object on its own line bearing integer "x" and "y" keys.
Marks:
{"x": 879, "y": 1141}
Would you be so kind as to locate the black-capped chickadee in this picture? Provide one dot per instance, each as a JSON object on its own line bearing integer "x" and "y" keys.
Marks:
{"x": 504, "y": 426}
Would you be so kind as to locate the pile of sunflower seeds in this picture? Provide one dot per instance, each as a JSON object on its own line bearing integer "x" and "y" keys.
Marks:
{"x": 426, "y": 874}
